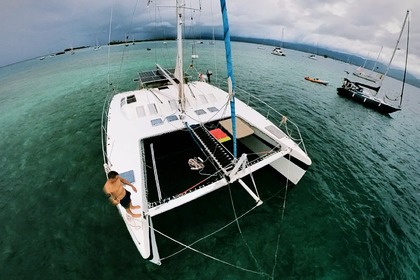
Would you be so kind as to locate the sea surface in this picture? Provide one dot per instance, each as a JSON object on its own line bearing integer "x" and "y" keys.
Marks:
{"x": 354, "y": 215}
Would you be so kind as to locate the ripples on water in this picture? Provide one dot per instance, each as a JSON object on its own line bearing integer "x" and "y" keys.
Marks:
{"x": 355, "y": 215}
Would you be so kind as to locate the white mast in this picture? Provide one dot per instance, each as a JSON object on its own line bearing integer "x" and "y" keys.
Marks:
{"x": 376, "y": 61}
{"x": 396, "y": 45}
{"x": 179, "y": 74}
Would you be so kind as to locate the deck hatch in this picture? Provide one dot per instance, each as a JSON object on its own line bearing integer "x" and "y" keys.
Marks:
{"x": 156, "y": 122}
{"x": 203, "y": 99}
{"x": 200, "y": 112}
{"x": 140, "y": 111}
{"x": 212, "y": 97}
{"x": 173, "y": 104}
{"x": 152, "y": 108}
{"x": 122, "y": 102}
{"x": 171, "y": 118}
{"x": 131, "y": 99}
{"x": 277, "y": 132}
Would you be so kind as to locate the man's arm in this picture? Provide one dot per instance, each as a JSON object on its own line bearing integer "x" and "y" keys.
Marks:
{"x": 125, "y": 182}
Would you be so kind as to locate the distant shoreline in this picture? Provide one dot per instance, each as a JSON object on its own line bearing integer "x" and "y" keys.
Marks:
{"x": 352, "y": 59}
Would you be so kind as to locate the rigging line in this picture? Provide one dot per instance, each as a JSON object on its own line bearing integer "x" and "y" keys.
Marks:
{"x": 285, "y": 192}
{"x": 255, "y": 185}
{"x": 240, "y": 231}
{"x": 396, "y": 47}
{"x": 209, "y": 256}
{"x": 281, "y": 220}
{"x": 213, "y": 41}
{"x": 109, "y": 42}
{"x": 132, "y": 17}
{"x": 157, "y": 12}
{"x": 124, "y": 50}
{"x": 289, "y": 133}
{"x": 202, "y": 181}
{"x": 214, "y": 115}
{"x": 275, "y": 257}
{"x": 225, "y": 106}
{"x": 204, "y": 237}
{"x": 154, "y": 20}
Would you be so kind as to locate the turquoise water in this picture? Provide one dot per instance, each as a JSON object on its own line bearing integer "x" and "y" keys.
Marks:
{"x": 355, "y": 214}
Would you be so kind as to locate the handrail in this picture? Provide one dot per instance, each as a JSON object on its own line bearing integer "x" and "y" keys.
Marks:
{"x": 104, "y": 125}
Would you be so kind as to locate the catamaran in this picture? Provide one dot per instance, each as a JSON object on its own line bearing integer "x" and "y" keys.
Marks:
{"x": 159, "y": 136}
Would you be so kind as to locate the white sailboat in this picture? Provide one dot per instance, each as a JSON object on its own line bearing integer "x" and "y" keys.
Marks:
{"x": 157, "y": 138}
{"x": 369, "y": 76}
{"x": 279, "y": 50}
{"x": 312, "y": 56}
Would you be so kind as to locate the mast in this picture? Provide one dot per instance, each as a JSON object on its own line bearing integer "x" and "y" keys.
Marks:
{"x": 179, "y": 74}
{"x": 282, "y": 36}
{"x": 377, "y": 58}
{"x": 396, "y": 46}
{"x": 231, "y": 80}
{"x": 406, "y": 59}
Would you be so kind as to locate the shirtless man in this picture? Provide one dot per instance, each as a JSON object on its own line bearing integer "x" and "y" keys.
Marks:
{"x": 117, "y": 194}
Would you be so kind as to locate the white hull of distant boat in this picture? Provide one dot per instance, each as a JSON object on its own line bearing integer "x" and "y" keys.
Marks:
{"x": 370, "y": 76}
{"x": 167, "y": 123}
{"x": 361, "y": 74}
{"x": 278, "y": 51}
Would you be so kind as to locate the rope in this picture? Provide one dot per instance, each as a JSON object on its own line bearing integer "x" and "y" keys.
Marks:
{"x": 275, "y": 257}
{"x": 281, "y": 220}
{"x": 192, "y": 187}
{"x": 213, "y": 233}
{"x": 207, "y": 255}
{"x": 236, "y": 220}
{"x": 240, "y": 231}
{"x": 285, "y": 193}
{"x": 195, "y": 164}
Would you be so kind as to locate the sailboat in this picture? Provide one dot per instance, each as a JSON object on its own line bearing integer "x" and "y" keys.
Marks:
{"x": 279, "y": 50}
{"x": 367, "y": 94}
{"x": 160, "y": 136}
{"x": 361, "y": 73}
{"x": 312, "y": 56}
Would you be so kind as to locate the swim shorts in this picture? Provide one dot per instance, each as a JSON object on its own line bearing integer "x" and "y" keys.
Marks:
{"x": 125, "y": 202}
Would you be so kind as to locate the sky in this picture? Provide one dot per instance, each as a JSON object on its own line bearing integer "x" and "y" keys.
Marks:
{"x": 31, "y": 28}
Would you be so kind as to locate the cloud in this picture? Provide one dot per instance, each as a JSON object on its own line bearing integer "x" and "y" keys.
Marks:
{"x": 34, "y": 28}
